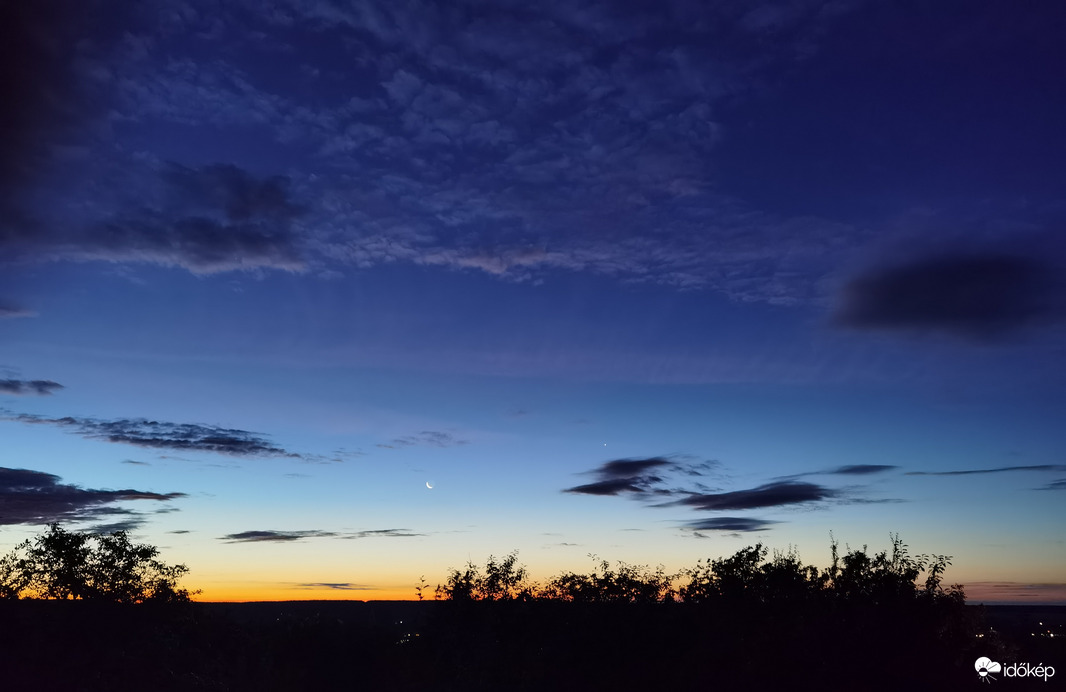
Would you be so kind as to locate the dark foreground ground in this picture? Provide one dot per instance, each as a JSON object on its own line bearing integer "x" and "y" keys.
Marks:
{"x": 321, "y": 645}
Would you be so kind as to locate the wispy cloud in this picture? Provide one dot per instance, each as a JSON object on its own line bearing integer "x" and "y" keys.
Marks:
{"x": 337, "y": 586}
{"x": 269, "y": 536}
{"x": 729, "y": 525}
{"x": 1000, "y": 469}
{"x": 35, "y": 497}
{"x": 861, "y": 469}
{"x": 22, "y": 387}
{"x": 383, "y": 533}
{"x": 141, "y": 432}
{"x": 8, "y": 311}
{"x": 426, "y": 438}
{"x": 846, "y": 470}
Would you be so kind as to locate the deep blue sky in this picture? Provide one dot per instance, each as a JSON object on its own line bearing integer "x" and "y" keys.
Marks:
{"x": 651, "y": 280}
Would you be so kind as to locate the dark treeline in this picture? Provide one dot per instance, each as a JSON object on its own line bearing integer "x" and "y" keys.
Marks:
{"x": 748, "y": 621}
{"x": 868, "y": 621}
{"x": 746, "y": 578}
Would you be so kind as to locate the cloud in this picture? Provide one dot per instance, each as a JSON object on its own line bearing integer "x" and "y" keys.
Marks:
{"x": 35, "y": 497}
{"x": 861, "y": 469}
{"x": 338, "y": 586}
{"x": 1056, "y": 485}
{"x": 620, "y": 476}
{"x": 612, "y": 487}
{"x": 769, "y": 495}
{"x": 846, "y": 470}
{"x": 630, "y": 468}
{"x": 207, "y": 220}
{"x": 21, "y": 387}
{"x": 211, "y": 219}
{"x": 8, "y": 311}
{"x": 426, "y": 438}
{"x": 273, "y": 536}
{"x": 1001, "y": 469}
{"x": 729, "y": 524}
{"x": 141, "y": 432}
{"x": 974, "y": 296}
{"x": 384, "y": 533}
{"x": 503, "y": 143}
{"x": 269, "y": 536}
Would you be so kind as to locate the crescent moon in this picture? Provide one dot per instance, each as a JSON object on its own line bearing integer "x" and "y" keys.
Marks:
{"x": 428, "y": 485}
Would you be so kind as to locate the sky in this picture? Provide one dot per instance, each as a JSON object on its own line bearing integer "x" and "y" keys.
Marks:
{"x": 322, "y": 296}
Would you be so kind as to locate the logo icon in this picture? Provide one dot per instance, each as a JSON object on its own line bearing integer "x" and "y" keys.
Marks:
{"x": 985, "y": 667}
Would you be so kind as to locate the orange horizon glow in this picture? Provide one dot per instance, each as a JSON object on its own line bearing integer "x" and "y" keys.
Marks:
{"x": 255, "y": 594}
{"x": 976, "y": 593}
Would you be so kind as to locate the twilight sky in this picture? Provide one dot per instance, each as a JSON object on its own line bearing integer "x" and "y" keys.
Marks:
{"x": 649, "y": 280}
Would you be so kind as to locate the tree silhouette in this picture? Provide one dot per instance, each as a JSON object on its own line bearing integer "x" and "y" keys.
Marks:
{"x": 67, "y": 565}
{"x": 746, "y": 577}
{"x": 503, "y": 580}
{"x": 729, "y": 618}
{"x": 626, "y": 584}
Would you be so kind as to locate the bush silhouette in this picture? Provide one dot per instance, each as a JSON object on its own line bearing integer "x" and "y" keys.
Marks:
{"x": 67, "y": 565}
{"x": 502, "y": 581}
{"x": 750, "y": 620}
{"x": 625, "y": 584}
{"x": 746, "y": 577}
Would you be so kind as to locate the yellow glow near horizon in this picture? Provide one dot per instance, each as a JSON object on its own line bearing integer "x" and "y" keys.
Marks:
{"x": 246, "y": 593}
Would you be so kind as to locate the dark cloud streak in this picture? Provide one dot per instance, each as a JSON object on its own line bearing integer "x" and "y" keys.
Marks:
{"x": 36, "y": 497}
{"x": 186, "y": 437}
{"x": 22, "y": 387}
{"x": 729, "y": 524}
{"x": 384, "y": 533}
{"x": 861, "y": 469}
{"x": 271, "y": 536}
{"x": 768, "y": 495}
{"x": 9, "y": 312}
{"x": 1001, "y": 469}
{"x": 426, "y": 438}
{"x": 268, "y": 536}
